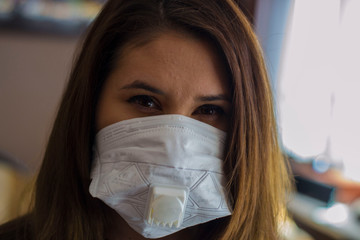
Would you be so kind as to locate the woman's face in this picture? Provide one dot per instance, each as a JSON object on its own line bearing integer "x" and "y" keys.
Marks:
{"x": 173, "y": 74}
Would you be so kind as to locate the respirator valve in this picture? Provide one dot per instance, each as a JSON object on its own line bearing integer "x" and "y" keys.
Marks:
{"x": 166, "y": 206}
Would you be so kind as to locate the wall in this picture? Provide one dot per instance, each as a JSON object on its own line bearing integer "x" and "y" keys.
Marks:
{"x": 33, "y": 72}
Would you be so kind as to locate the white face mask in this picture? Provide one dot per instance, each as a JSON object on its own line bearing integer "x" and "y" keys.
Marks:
{"x": 161, "y": 174}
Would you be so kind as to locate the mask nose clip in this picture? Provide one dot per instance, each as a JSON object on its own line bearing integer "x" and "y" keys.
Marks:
{"x": 166, "y": 205}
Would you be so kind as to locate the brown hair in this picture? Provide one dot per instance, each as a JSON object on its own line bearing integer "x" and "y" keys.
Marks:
{"x": 257, "y": 177}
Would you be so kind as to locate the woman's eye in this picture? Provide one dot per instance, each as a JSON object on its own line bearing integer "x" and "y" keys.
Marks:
{"x": 210, "y": 111}
{"x": 145, "y": 102}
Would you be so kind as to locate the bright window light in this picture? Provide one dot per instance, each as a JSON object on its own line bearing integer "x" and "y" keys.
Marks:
{"x": 319, "y": 84}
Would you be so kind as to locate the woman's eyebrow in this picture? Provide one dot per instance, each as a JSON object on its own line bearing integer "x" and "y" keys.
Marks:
{"x": 210, "y": 98}
{"x": 137, "y": 84}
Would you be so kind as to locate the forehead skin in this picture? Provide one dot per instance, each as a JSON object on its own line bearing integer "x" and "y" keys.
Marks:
{"x": 183, "y": 67}
{"x": 178, "y": 58}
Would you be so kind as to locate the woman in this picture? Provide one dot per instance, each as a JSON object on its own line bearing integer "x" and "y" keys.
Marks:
{"x": 197, "y": 60}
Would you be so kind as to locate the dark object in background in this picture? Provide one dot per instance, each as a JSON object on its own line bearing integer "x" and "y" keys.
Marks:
{"x": 314, "y": 189}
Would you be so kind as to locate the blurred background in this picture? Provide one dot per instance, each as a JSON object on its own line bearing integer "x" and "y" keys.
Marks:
{"x": 312, "y": 52}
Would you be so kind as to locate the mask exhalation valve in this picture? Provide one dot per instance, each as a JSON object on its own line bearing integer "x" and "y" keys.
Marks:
{"x": 166, "y": 206}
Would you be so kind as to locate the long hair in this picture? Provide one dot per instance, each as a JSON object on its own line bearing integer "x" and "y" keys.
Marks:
{"x": 256, "y": 172}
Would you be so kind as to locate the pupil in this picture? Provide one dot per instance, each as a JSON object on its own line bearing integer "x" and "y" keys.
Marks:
{"x": 147, "y": 102}
{"x": 209, "y": 111}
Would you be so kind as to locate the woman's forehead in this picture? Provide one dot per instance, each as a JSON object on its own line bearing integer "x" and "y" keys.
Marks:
{"x": 177, "y": 58}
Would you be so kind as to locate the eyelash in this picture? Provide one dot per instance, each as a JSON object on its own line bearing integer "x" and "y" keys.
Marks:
{"x": 145, "y": 102}
{"x": 209, "y": 109}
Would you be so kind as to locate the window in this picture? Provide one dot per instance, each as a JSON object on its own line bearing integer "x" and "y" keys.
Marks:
{"x": 318, "y": 88}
